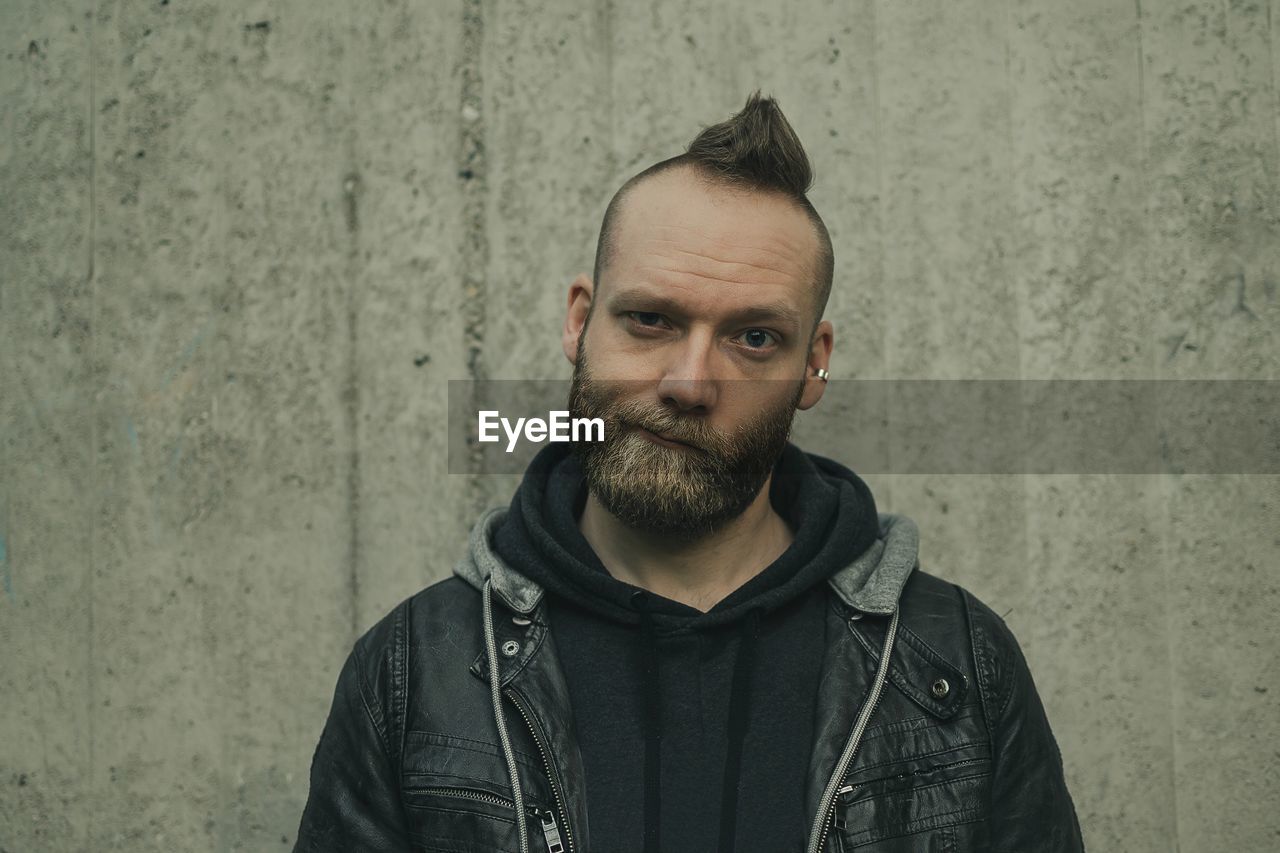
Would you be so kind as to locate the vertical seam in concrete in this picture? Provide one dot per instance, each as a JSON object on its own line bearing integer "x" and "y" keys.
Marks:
{"x": 607, "y": 117}
{"x": 6, "y": 577}
{"x": 1167, "y": 486}
{"x": 610, "y": 119}
{"x": 1143, "y": 154}
{"x": 473, "y": 173}
{"x": 9, "y": 389}
{"x": 880, "y": 195}
{"x": 93, "y": 419}
{"x": 877, "y": 125}
{"x": 1275, "y": 82}
{"x": 350, "y": 396}
{"x": 1010, "y": 189}
{"x": 1168, "y": 489}
{"x": 351, "y": 391}
{"x": 1024, "y": 482}
{"x": 881, "y": 198}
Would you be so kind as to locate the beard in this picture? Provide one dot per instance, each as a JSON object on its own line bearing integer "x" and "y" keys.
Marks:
{"x": 682, "y": 493}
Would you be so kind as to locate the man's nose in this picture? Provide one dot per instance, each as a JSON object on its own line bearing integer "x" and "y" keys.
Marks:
{"x": 688, "y": 383}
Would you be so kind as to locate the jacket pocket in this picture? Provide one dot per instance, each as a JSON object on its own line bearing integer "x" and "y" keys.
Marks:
{"x": 460, "y": 820}
{"x": 457, "y": 796}
{"x": 919, "y": 805}
{"x": 464, "y": 820}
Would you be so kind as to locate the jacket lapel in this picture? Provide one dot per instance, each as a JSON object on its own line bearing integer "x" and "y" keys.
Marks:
{"x": 846, "y": 679}
{"x": 535, "y": 678}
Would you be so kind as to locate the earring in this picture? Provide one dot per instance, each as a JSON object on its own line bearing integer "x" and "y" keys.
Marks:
{"x": 821, "y": 374}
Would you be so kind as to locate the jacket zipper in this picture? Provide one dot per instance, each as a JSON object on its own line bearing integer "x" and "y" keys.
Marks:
{"x": 849, "y": 789}
{"x": 547, "y": 818}
{"x": 550, "y": 829}
{"x": 551, "y": 832}
{"x": 827, "y": 807}
{"x": 468, "y": 794}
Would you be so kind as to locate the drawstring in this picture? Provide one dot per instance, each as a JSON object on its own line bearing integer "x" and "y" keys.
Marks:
{"x": 652, "y": 723}
{"x": 495, "y": 695}
{"x": 739, "y": 699}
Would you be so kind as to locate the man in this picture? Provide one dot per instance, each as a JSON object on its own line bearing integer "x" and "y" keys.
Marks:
{"x": 691, "y": 635}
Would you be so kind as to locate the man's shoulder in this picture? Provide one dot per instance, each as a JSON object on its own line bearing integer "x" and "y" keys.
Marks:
{"x": 948, "y": 614}
{"x": 438, "y": 606}
{"x": 930, "y": 593}
{"x": 928, "y": 596}
{"x": 440, "y": 617}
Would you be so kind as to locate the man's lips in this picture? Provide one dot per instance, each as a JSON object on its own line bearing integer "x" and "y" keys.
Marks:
{"x": 659, "y": 438}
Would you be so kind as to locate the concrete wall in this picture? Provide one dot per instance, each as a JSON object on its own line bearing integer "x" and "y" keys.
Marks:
{"x": 244, "y": 245}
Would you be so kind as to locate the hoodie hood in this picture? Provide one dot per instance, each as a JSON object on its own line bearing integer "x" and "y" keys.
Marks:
{"x": 866, "y": 556}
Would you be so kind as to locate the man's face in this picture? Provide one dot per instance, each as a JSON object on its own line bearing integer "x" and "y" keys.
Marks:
{"x": 696, "y": 352}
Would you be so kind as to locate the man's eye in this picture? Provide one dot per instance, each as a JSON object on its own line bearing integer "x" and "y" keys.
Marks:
{"x": 645, "y": 318}
{"x": 758, "y": 338}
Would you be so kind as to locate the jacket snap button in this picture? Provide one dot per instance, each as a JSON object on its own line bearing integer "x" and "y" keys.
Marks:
{"x": 521, "y": 621}
{"x": 855, "y": 616}
{"x": 510, "y": 647}
{"x": 941, "y": 688}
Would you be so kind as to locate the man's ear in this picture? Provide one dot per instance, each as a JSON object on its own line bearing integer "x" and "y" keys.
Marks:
{"x": 819, "y": 359}
{"x": 575, "y": 317}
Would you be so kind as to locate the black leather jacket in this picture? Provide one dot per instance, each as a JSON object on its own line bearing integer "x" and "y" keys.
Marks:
{"x": 946, "y": 749}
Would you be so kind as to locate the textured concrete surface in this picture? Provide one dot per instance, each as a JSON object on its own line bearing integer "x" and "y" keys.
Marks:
{"x": 243, "y": 247}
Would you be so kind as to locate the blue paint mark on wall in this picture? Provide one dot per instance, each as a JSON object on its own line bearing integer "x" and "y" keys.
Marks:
{"x": 133, "y": 433}
{"x": 4, "y": 570}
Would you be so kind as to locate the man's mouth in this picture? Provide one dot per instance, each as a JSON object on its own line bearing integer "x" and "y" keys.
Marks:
{"x": 659, "y": 438}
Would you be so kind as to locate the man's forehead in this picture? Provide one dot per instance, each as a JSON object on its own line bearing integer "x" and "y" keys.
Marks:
{"x": 718, "y": 231}
{"x": 681, "y": 205}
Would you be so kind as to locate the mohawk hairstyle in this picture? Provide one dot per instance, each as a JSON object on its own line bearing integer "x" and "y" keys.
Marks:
{"x": 756, "y": 149}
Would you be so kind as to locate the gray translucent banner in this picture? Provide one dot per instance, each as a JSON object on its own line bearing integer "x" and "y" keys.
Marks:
{"x": 944, "y": 426}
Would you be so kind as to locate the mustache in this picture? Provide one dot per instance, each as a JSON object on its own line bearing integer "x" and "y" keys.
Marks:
{"x": 685, "y": 430}
{"x": 677, "y": 435}
{"x": 623, "y": 414}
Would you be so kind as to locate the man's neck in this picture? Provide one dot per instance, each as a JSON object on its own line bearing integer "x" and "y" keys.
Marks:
{"x": 699, "y": 573}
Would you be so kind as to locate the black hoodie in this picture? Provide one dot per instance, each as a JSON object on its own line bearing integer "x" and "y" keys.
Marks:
{"x": 694, "y": 728}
